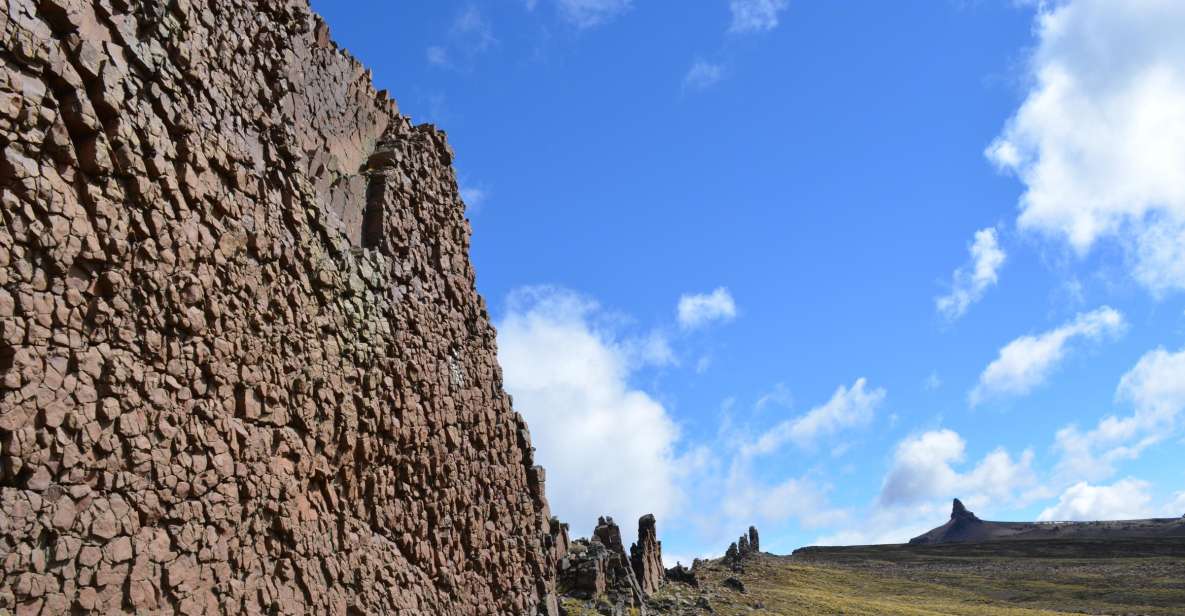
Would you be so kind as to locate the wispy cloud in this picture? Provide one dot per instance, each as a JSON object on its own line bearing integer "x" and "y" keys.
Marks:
{"x": 848, "y": 408}
{"x": 972, "y": 280}
{"x": 474, "y": 197}
{"x": 755, "y": 15}
{"x": 1155, "y": 388}
{"x": 702, "y": 75}
{"x": 437, "y": 55}
{"x": 933, "y": 382}
{"x": 469, "y": 35}
{"x": 589, "y": 13}
{"x": 1027, "y": 362}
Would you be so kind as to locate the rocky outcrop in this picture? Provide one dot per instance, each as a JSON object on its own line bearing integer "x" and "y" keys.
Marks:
{"x": 962, "y": 526}
{"x": 683, "y": 575}
{"x": 745, "y": 546}
{"x": 965, "y": 527}
{"x": 599, "y": 569}
{"x": 646, "y": 556}
{"x": 243, "y": 364}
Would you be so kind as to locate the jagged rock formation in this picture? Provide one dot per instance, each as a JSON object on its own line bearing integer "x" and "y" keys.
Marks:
{"x": 646, "y": 556}
{"x": 599, "y": 569}
{"x": 965, "y": 527}
{"x": 243, "y": 364}
{"x": 962, "y": 526}
{"x": 745, "y": 546}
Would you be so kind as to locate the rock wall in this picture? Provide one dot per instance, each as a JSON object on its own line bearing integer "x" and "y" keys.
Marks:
{"x": 243, "y": 364}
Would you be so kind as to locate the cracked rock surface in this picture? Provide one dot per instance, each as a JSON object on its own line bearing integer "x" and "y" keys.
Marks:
{"x": 243, "y": 364}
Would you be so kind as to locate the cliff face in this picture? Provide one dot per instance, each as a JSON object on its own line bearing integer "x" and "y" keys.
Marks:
{"x": 243, "y": 364}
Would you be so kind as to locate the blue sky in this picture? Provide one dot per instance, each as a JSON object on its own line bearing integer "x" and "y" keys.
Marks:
{"x": 820, "y": 266}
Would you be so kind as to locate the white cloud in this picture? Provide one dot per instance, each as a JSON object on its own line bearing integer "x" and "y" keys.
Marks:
{"x": 971, "y": 283}
{"x": 1099, "y": 141}
{"x": 916, "y": 492}
{"x": 755, "y": 15}
{"x": 847, "y": 408}
{"x": 696, "y": 311}
{"x": 1177, "y": 506}
{"x": 780, "y": 395}
{"x": 702, "y": 75}
{"x": 797, "y": 498}
{"x": 589, "y": 13}
{"x": 1027, "y": 362}
{"x": 571, "y": 382}
{"x": 1155, "y": 388}
{"x": 889, "y": 525}
{"x": 923, "y": 470}
{"x": 1127, "y": 499}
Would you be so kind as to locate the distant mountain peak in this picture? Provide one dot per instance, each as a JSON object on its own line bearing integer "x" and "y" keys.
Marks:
{"x": 959, "y": 512}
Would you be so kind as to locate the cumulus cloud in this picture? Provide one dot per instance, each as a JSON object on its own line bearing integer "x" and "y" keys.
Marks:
{"x": 1027, "y": 362}
{"x": 847, "y": 408}
{"x": 571, "y": 381}
{"x": 923, "y": 469}
{"x": 702, "y": 75}
{"x": 695, "y": 311}
{"x": 1155, "y": 389}
{"x": 755, "y": 15}
{"x": 971, "y": 282}
{"x": 1127, "y": 499}
{"x": 1099, "y": 141}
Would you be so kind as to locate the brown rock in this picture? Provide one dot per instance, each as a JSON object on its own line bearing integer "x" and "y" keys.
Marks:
{"x": 239, "y": 327}
{"x": 118, "y": 550}
{"x": 646, "y": 556}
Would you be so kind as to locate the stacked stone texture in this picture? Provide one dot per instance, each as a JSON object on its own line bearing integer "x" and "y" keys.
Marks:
{"x": 243, "y": 364}
{"x": 646, "y": 556}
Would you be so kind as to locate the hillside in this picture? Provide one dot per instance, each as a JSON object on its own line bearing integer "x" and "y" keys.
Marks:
{"x": 1003, "y": 578}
